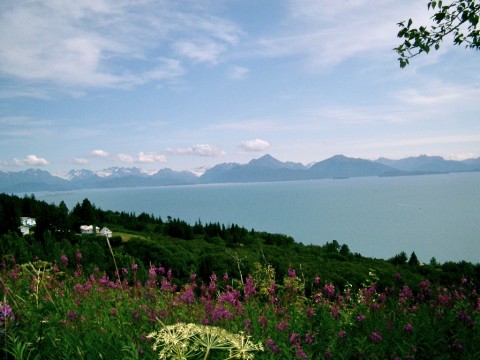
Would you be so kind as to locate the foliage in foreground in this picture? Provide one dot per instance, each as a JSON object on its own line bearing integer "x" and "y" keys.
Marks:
{"x": 51, "y": 312}
{"x": 458, "y": 18}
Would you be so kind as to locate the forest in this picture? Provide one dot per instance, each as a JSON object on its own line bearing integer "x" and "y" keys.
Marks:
{"x": 196, "y": 248}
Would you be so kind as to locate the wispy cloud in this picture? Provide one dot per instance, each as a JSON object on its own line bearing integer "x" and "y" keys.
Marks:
{"x": 142, "y": 158}
{"x": 254, "y": 145}
{"x": 31, "y": 160}
{"x": 199, "y": 150}
{"x": 107, "y": 43}
{"x": 99, "y": 153}
{"x": 238, "y": 72}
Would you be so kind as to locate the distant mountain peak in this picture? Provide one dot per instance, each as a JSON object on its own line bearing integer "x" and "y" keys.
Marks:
{"x": 266, "y": 161}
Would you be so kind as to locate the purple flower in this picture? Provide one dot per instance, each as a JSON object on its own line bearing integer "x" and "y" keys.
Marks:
{"x": 270, "y": 344}
{"x": 342, "y": 334}
{"x": 291, "y": 273}
{"x": 6, "y": 313}
{"x": 408, "y": 328}
{"x": 78, "y": 257}
{"x": 335, "y": 312}
{"x": 134, "y": 267}
{"x": 64, "y": 260}
{"x": 360, "y": 317}
{"x": 328, "y": 354}
{"x": 375, "y": 337}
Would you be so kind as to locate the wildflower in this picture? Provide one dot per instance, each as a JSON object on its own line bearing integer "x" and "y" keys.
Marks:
{"x": 72, "y": 315}
{"x": 375, "y": 337}
{"x": 300, "y": 353}
{"x": 78, "y": 257}
{"x": 328, "y": 354}
{"x": 6, "y": 313}
{"x": 457, "y": 346}
{"x": 310, "y": 312}
{"x": 329, "y": 289}
{"x": 124, "y": 271}
{"x": 408, "y": 328}
{"x": 282, "y": 326}
{"x": 291, "y": 273}
{"x": 225, "y": 277}
{"x": 64, "y": 260}
{"x": 249, "y": 287}
{"x": 263, "y": 321}
{"x": 270, "y": 344}
{"x": 335, "y": 312}
{"x": 342, "y": 334}
{"x": 360, "y": 317}
{"x": 134, "y": 267}
{"x": 316, "y": 280}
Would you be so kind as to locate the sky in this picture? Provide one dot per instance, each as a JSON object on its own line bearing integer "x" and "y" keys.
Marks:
{"x": 153, "y": 84}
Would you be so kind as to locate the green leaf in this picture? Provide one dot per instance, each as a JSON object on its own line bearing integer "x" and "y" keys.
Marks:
{"x": 437, "y": 46}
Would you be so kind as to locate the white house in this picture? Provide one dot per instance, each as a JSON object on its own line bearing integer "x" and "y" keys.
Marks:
{"x": 26, "y": 224}
{"x": 88, "y": 229}
{"x": 106, "y": 232}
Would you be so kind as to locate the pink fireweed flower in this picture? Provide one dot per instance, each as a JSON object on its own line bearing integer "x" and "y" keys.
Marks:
{"x": 328, "y": 354}
{"x": 408, "y": 328}
{"x": 225, "y": 277}
{"x": 64, "y": 260}
{"x": 360, "y": 317}
{"x": 335, "y": 312}
{"x": 375, "y": 337}
{"x": 310, "y": 312}
{"x": 6, "y": 313}
{"x": 270, "y": 344}
{"x": 78, "y": 257}
{"x": 316, "y": 280}
{"x": 342, "y": 334}
{"x": 300, "y": 353}
{"x": 291, "y": 273}
{"x": 249, "y": 287}
{"x": 329, "y": 289}
{"x": 281, "y": 326}
{"x": 263, "y": 321}
{"x": 134, "y": 267}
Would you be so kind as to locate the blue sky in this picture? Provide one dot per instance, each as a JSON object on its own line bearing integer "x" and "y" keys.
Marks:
{"x": 185, "y": 84}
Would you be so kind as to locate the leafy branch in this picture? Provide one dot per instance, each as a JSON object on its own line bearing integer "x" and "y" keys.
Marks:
{"x": 458, "y": 18}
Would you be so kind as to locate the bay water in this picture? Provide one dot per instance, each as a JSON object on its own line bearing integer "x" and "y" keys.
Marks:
{"x": 433, "y": 215}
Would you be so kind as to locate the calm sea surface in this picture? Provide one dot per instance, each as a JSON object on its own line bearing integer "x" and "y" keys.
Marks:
{"x": 434, "y": 215}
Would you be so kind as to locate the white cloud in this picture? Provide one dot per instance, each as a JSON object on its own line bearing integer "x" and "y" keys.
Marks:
{"x": 99, "y": 153}
{"x": 238, "y": 72}
{"x": 124, "y": 158}
{"x": 80, "y": 161}
{"x": 199, "y": 150}
{"x": 107, "y": 43}
{"x": 254, "y": 145}
{"x": 200, "y": 51}
{"x": 141, "y": 157}
{"x": 151, "y": 158}
{"x": 31, "y": 160}
{"x": 324, "y": 35}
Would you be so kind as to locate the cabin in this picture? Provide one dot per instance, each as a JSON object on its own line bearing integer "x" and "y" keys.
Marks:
{"x": 89, "y": 229}
{"x": 106, "y": 232}
{"x": 26, "y": 224}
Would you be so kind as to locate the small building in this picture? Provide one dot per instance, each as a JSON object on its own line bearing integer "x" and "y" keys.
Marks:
{"x": 26, "y": 224}
{"x": 106, "y": 232}
{"x": 28, "y": 221}
{"x": 89, "y": 229}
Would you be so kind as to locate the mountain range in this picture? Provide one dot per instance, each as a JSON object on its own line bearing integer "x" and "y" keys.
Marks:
{"x": 263, "y": 169}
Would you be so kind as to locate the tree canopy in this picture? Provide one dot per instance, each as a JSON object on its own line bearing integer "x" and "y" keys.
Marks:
{"x": 457, "y": 18}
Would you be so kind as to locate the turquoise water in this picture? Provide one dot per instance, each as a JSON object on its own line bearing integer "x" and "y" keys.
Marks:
{"x": 435, "y": 215}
